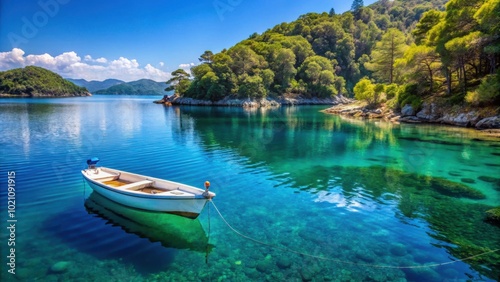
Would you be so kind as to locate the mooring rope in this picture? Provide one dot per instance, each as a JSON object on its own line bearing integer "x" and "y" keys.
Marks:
{"x": 208, "y": 238}
{"x": 343, "y": 261}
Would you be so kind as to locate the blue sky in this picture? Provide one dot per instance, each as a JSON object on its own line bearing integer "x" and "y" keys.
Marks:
{"x": 134, "y": 39}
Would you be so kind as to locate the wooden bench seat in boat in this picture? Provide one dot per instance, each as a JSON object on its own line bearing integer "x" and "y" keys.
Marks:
{"x": 137, "y": 185}
{"x": 104, "y": 176}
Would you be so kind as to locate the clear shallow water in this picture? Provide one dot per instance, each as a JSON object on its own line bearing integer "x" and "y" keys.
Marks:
{"x": 372, "y": 194}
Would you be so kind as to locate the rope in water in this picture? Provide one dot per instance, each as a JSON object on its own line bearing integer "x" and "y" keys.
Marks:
{"x": 343, "y": 261}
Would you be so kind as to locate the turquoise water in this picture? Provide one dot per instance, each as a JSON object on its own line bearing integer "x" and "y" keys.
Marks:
{"x": 355, "y": 201}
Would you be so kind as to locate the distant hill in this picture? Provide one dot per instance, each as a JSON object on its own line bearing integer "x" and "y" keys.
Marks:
{"x": 34, "y": 81}
{"x": 95, "y": 85}
{"x": 139, "y": 87}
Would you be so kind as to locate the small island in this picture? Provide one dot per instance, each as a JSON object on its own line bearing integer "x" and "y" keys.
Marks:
{"x": 33, "y": 81}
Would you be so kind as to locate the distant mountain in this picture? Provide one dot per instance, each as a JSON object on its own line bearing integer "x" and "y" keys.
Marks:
{"x": 95, "y": 85}
{"x": 34, "y": 81}
{"x": 139, "y": 87}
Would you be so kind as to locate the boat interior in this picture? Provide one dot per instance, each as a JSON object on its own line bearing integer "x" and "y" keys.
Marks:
{"x": 132, "y": 182}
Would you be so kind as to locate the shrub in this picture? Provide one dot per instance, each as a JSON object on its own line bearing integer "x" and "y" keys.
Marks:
{"x": 487, "y": 92}
{"x": 410, "y": 96}
{"x": 365, "y": 90}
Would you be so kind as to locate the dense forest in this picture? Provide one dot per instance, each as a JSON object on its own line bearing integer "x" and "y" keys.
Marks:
{"x": 399, "y": 52}
{"x": 34, "y": 81}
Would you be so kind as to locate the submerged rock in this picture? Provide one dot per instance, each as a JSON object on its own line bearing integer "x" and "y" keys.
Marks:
{"x": 264, "y": 266}
{"x": 284, "y": 262}
{"x": 488, "y": 178}
{"x": 493, "y": 216}
{"x": 59, "y": 267}
{"x": 398, "y": 250}
{"x": 468, "y": 180}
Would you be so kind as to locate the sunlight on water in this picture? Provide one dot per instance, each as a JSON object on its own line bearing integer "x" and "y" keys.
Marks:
{"x": 354, "y": 196}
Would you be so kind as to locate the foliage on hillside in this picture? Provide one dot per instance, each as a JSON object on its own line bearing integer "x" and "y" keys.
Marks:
{"x": 317, "y": 55}
{"x": 35, "y": 81}
{"x": 407, "y": 50}
{"x": 139, "y": 87}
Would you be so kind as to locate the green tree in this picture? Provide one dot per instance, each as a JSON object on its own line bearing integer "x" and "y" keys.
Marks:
{"x": 179, "y": 81}
{"x": 423, "y": 64}
{"x": 356, "y": 6}
{"x": 427, "y": 22}
{"x": 365, "y": 91}
{"x": 488, "y": 17}
{"x": 487, "y": 92}
{"x": 252, "y": 87}
{"x": 245, "y": 60}
{"x": 283, "y": 67}
{"x": 391, "y": 47}
{"x": 206, "y": 57}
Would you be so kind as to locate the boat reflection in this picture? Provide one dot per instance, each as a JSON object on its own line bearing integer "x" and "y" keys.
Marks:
{"x": 172, "y": 231}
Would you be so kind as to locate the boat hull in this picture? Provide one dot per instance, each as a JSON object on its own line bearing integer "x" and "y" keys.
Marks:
{"x": 187, "y": 206}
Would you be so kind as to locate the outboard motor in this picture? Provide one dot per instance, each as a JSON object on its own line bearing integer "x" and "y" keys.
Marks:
{"x": 92, "y": 162}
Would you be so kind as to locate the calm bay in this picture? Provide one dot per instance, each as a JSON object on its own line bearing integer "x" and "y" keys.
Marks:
{"x": 324, "y": 198}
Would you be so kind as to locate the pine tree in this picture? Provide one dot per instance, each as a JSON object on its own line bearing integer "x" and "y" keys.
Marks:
{"x": 356, "y": 5}
{"x": 384, "y": 55}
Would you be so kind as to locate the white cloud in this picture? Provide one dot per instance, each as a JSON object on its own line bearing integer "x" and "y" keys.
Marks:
{"x": 184, "y": 66}
{"x": 101, "y": 60}
{"x": 161, "y": 64}
{"x": 69, "y": 64}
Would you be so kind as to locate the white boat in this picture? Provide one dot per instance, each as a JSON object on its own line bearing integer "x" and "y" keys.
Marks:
{"x": 147, "y": 193}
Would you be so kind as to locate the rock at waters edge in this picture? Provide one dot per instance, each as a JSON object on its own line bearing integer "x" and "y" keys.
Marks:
{"x": 407, "y": 110}
{"x": 489, "y": 122}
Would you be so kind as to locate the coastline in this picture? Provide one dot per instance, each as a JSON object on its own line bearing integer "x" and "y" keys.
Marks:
{"x": 4, "y": 95}
{"x": 487, "y": 122}
{"x": 256, "y": 103}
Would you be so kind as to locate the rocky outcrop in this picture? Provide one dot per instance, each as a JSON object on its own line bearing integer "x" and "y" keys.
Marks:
{"x": 407, "y": 110}
{"x": 489, "y": 123}
{"x": 166, "y": 100}
{"x": 263, "y": 103}
{"x": 430, "y": 113}
{"x": 360, "y": 110}
{"x": 468, "y": 119}
{"x": 433, "y": 113}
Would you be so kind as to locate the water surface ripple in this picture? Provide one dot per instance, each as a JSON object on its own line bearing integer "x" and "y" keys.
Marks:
{"x": 360, "y": 194}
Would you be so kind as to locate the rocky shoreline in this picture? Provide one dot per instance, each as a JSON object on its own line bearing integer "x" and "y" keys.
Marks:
{"x": 429, "y": 113}
{"x": 24, "y": 95}
{"x": 255, "y": 103}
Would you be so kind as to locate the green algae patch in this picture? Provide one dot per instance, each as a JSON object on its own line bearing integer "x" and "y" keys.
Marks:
{"x": 380, "y": 179}
{"x": 454, "y": 189}
{"x": 493, "y": 216}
